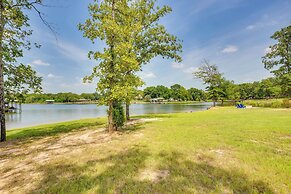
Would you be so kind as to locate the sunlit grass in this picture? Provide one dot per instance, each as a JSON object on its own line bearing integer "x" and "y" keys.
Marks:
{"x": 52, "y": 129}
{"x": 224, "y": 150}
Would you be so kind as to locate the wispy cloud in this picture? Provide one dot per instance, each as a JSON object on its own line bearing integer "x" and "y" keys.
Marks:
{"x": 230, "y": 49}
{"x": 39, "y": 62}
{"x": 250, "y": 27}
{"x": 176, "y": 65}
{"x": 72, "y": 51}
{"x": 190, "y": 70}
{"x": 149, "y": 74}
{"x": 265, "y": 22}
{"x": 53, "y": 76}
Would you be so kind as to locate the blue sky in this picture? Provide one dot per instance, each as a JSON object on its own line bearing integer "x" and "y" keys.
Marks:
{"x": 233, "y": 34}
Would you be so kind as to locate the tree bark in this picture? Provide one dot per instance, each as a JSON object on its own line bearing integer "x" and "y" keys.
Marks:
{"x": 110, "y": 117}
{"x": 127, "y": 110}
{"x": 111, "y": 126}
{"x": 2, "y": 103}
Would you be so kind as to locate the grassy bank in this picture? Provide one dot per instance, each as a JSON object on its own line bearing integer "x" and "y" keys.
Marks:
{"x": 270, "y": 103}
{"x": 222, "y": 150}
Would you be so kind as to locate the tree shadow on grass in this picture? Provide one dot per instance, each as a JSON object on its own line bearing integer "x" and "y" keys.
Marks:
{"x": 154, "y": 116}
{"x": 84, "y": 178}
{"x": 123, "y": 172}
{"x": 132, "y": 127}
{"x": 50, "y": 130}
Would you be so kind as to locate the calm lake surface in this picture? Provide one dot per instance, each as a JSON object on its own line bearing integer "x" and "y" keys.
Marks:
{"x": 36, "y": 114}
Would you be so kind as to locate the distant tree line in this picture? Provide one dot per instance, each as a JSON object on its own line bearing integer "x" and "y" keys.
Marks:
{"x": 265, "y": 89}
{"x": 61, "y": 97}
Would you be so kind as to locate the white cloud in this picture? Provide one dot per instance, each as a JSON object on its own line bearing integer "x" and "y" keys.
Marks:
{"x": 230, "y": 49}
{"x": 190, "y": 70}
{"x": 147, "y": 75}
{"x": 250, "y": 27}
{"x": 79, "y": 83}
{"x": 39, "y": 62}
{"x": 52, "y": 76}
{"x": 266, "y": 22}
{"x": 71, "y": 51}
{"x": 177, "y": 65}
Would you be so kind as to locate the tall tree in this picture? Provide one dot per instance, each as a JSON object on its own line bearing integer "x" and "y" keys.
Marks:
{"x": 152, "y": 38}
{"x": 180, "y": 93}
{"x": 13, "y": 38}
{"x": 133, "y": 37}
{"x": 278, "y": 60}
{"x": 196, "y": 94}
{"x": 110, "y": 23}
{"x": 21, "y": 80}
{"x": 210, "y": 75}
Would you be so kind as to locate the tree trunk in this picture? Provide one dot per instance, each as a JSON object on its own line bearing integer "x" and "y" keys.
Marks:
{"x": 2, "y": 103}
{"x": 111, "y": 126}
{"x": 222, "y": 102}
{"x": 127, "y": 110}
{"x": 110, "y": 117}
{"x": 214, "y": 103}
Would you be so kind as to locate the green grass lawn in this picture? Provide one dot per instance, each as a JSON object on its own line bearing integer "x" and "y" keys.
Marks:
{"x": 224, "y": 150}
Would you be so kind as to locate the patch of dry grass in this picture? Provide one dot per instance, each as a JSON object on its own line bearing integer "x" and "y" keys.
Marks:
{"x": 216, "y": 151}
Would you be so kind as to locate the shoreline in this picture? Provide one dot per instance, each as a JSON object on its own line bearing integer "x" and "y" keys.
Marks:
{"x": 103, "y": 117}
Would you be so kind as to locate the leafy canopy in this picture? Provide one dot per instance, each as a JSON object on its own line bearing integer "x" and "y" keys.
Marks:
{"x": 133, "y": 36}
{"x": 20, "y": 81}
{"x": 210, "y": 75}
{"x": 278, "y": 60}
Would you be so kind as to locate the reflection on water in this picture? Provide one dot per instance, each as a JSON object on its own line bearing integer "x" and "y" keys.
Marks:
{"x": 35, "y": 114}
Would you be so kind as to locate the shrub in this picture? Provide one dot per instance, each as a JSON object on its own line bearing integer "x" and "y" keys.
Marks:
{"x": 287, "y": 103}
{"x": 118, "y": 114}
{"x": 271, "y": 103}
{"x": 276, "y": 104}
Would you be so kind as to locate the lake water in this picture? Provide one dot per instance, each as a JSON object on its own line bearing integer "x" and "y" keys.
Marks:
{"x": 36, "y": 114}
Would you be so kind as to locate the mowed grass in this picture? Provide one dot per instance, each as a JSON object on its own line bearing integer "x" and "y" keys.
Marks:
{"x": 224, "y": 150}
{"x": 52, "y": 129}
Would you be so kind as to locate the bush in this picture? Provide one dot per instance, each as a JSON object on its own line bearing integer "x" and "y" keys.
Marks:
{"x": 287, "y": 103}
{"x": 271, "y": 103}
{"x": 276, "y": 104}
{"x": 118, "y": 115}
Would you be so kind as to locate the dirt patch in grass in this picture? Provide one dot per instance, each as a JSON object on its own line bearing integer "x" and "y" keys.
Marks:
{"x": 21, "y": 162}
{"x": 288, "y": 137}
{"x": 219, "y": 157}
{"x": 153, "y": 175}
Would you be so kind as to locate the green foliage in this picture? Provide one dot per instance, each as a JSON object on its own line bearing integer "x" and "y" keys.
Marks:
{"x": 60, "y": 97}
{"x": 179, "y": 93}
{"x": 278, "y": 60}
{"x": 270, "y": 103}
{"x": 267, "y": 88}
{"x": 116, "y": 62}
{"x": 133, "y": 36}
{"x": 14, "y": 30}
{"x": 197, "y": 95}
{"x": 20, "y": 80}
{"x": 210, "y": 75}
{"x": 118, "y": 114}
{"x": 176, "y": 92}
